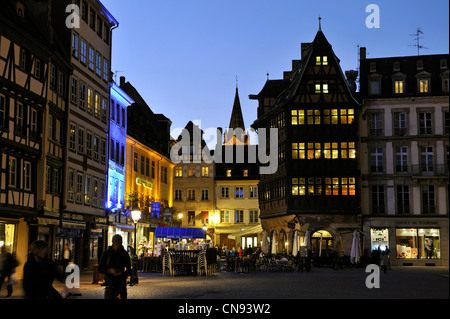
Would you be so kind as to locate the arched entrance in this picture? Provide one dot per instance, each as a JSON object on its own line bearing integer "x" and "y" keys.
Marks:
{"x": 324, "y": 237}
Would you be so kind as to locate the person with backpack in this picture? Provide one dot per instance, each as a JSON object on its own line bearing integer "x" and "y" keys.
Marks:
{"x": 115, "y": 265}
{"x": 8, "y": 264}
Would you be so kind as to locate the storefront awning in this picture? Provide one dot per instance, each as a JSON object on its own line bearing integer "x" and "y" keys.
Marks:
{"x": 125, "y": 228}
{"x": 248, "y": 231}
{"x": 172, "y": 232}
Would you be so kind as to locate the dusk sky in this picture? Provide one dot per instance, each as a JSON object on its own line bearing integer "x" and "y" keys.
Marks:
{"x": 183, "y": 56}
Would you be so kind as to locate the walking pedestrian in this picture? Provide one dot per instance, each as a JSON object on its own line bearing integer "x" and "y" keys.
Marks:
{"x": 115, "y": 264}
{"x": 384, "y": 262}
{"x": 39, "y": 272}
{"x": 8, "y": 264}
{"x": 66, "y": 256}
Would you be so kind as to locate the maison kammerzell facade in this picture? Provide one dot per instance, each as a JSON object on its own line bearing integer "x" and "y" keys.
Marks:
{"x": 316, "y": 186}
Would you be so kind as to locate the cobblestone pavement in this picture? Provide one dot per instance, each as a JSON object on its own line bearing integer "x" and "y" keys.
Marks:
{"x": 320, "y": 283}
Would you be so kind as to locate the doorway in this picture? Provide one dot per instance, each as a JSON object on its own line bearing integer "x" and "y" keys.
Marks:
{"x": 322, "y": 242}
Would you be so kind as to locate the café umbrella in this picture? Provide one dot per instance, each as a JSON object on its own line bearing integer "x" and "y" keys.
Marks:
{"x": 355, "y": 253}
{"x": 274, "y": 243}
{"x": 295, "y": 248}
{"x": 265, "y": 243}
{"x": 307, "y": 240}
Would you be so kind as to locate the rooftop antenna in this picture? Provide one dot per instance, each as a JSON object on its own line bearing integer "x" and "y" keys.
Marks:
{"x": 417, "y": 39}
{"x": 115, "y": 75}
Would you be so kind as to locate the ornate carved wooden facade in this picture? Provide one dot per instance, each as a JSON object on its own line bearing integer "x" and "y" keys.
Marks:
{"x": 317, "y": 177}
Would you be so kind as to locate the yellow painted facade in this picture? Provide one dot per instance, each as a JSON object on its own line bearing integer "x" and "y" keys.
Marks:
{"x": 148, "y": 173}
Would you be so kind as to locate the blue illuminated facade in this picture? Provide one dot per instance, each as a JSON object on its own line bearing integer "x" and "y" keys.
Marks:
{"x": 117, "y": 142}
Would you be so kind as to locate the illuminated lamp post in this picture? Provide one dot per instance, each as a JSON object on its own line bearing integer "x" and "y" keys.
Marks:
{"x": 205, "y": 228}
{"x": 136, "y": 216}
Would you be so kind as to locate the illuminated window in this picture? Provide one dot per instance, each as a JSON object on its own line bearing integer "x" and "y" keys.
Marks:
{"x": 318, "y": 60}
{"x": 424, "y": 85}
{"x": 298, "y": 150}
{"x": 327, "y": 150}
{"x": 298, "y": 117}
{"x": 399, "y": 86}
{"x": 318, "y": 88}
{"x": 334, "y": 150}
{"x": 328, "y": 187}
{"x": 324, "y": 88}
{"x": 311, "y": 189}
{"x": 347, "y": 116}
{"x": 344, "y": 186}
{"x": 335, "y": 186}
{"x": 298, "y": 187}
{"x": 352, "y": 186}
{"x": 90, "y": 104}
{"x": 334, "y": 116}
{"x": 178, "y": 172}
{"x": 314, "y": 150}
{"x": 313, "y": 117}
{"x": 205, "y": 171}
{"x": 321, "y": 60}
{"x": 348, "y": 150}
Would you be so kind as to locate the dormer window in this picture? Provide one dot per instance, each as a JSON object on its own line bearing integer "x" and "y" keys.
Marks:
{"x": 373, "y": 67}
{"x": 20, "y": 9}
{"x": 396, "y": 66}
{"x": 420, "y": 65}
{"x": 424, "y": 85}
{"x": 399, "y": 81}
{"x": 423, "y": 82}
{"x": 443, "y": 63}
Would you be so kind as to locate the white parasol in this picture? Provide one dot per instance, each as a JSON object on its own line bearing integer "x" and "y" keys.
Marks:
{"x": 295, "y": 248}
{"x": 274, "y": 242}
{"x": 265, "y": 243}
{"x": 355, "y": 253}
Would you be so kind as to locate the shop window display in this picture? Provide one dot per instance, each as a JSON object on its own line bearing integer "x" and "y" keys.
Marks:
{"x": 422, "y": 243}
{"x": 7, "y": 236}
{"x": 379, "y": 238}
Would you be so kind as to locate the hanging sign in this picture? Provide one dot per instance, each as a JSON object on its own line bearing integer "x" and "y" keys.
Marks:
{"x": 155, "y": 209}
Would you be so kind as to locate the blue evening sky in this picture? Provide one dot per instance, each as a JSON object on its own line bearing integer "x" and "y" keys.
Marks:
{"x": 183, "y": 56}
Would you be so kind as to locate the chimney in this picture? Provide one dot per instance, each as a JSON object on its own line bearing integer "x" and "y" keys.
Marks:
{"x": 122, "y": 81}
{"x": 362, "y": 53}
{"x": 351, "y": 79}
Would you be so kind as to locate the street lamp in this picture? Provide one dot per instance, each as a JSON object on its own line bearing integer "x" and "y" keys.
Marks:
{"x": 180, "y": 218}
{"x": 136, "y": 216}
{"x": 205, "y": 228}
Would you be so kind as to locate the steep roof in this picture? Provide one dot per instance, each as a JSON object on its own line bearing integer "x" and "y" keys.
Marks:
{"x": 237, "y": 120}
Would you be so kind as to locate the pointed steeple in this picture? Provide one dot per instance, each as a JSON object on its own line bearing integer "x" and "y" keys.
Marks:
{"x": 237, "y": 120}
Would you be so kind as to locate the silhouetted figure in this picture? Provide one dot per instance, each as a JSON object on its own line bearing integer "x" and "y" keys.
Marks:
{"x": 8, "y": 264}
{"x": 39, "y": 273}
{"x": 115, "y": 264}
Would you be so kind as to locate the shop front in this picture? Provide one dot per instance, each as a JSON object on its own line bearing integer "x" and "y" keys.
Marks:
{"x": 410, "y": 242}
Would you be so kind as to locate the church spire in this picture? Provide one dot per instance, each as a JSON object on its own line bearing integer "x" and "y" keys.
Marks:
{"x": 320, "y": 25}
{"x": 236, "y": 122}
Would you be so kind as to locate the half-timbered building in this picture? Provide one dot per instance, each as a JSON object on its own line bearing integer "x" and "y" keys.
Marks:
{"x": 33, "y": 75}
{"x": 315, "y": 187}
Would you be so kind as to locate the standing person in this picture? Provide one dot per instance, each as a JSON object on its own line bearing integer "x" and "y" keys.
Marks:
{"x": 39, "y": 273}
{"x": 66, "y": 256}
{"x": 115, "y": 264}
{"x": 8, "y": 264}
{"x": 384, "y": 261}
